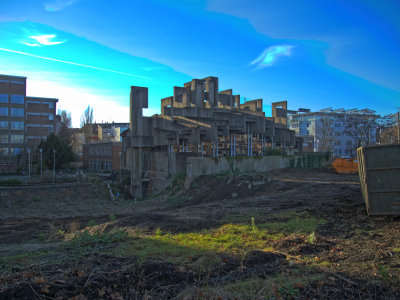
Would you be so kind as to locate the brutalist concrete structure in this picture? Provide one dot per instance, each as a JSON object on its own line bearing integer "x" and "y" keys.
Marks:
{"x": 198, "y": 120}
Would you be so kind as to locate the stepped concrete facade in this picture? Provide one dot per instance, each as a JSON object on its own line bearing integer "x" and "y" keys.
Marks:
{"x": 198, "y": 120}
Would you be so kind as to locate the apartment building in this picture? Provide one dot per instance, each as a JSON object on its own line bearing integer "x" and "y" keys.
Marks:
{"x": 102, "y": 156}
{"x": 24, "y": 121}
{"x": 338, "y": 131}
{"x": 40, "y": 120}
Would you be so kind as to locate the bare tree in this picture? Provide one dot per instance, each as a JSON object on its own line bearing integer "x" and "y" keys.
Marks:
{"x": 388, "y": 129}
{"x": 324, "y": 134}
{"x": 65, "y": 123}
{"x": 87, "y": 116}
{"x": 361, "y": 127}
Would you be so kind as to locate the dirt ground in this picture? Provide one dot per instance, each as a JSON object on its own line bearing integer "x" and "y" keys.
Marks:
{"x": 304, "y": 234}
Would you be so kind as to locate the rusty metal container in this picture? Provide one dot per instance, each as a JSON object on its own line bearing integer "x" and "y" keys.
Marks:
{"x": 345, "y": 165}
{"x": 379, "y": 171}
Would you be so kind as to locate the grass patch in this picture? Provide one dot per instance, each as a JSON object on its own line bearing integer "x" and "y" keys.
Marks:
{"x": 11, "y": 181}
{"x": 279, "y": 286}
{"x": 7, "y": 263}
{"x": 86, "y": 238}
{"x": 291, "y": 222}
{"x": 294, "y": 222}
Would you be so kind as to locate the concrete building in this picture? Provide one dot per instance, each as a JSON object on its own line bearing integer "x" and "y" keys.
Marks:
{"x": 338, "y": 131}
{"x": 24, "y": 121}
{"x": 104, "y": 132}
{"x": 198, "y": 120}
{"x": 40, "y": 120}
{"x": 102, "y": 156}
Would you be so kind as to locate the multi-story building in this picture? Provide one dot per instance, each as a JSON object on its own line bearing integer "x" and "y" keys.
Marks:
{"x": 338, "y": 131}
{"x": 104, "y": 132}
{"x": 102, "y": 156}
{"x": 24, "y": 121}
{"x": 40, "y": 119}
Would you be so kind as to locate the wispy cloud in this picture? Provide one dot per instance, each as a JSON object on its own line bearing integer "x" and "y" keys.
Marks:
{"x": 58, "y": 4}
{"x": 42, "y": 40}
{"x": 271, "y": 54}
{"x": 72, "y": 63}
{"x": 45, "y": 39}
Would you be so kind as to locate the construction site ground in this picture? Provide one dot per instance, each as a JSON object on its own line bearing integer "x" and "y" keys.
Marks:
{"x": 289, "y": 233}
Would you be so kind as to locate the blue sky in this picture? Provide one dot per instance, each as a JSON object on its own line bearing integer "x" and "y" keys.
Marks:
{"x": 314, "y": 54}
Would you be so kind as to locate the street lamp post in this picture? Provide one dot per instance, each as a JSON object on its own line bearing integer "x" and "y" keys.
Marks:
{"x": 29, "y": 165}
{"x": 54, "y": 164}
{"x": 41, "y": 160}
{"x": 120, "y": 165}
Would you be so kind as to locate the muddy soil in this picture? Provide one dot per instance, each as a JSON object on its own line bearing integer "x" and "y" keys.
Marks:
{"x": 361, "y": 252}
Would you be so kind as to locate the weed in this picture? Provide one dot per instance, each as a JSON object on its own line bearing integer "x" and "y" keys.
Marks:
{"x": 311, "y": 238}
{"x": 73, "y": 226}
{"x": 396, "y": 250}
{"x": 91, "y": 223}
{"x": 42, "y": 237}
{"x": 158, "y": 231}
{"x": 253, "y": 224}
{"x": 112, "y": 217}
{"x": 178, "y": 178}
{"x": 383, "y": 273}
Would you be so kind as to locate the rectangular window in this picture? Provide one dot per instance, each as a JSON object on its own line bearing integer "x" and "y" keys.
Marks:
{"x": 17, "y": 139}
{"x": 4, "y": 111}
{"x": 17, "y": 112}
{"x": 51, "y": 105}
{"x": 4, "y": 138}
{"x": 17, "y": 82}
{"x": 3, "y": 98}
{"x": 15, "y": 151}
{"x": 349, "y": 143}
{"x": 17, "y": 99}
{"x": 17, "y": 125}
{"x": 51, "y": 117}
{"x": 3, "y": 124}
{"x": 3, "y": 151}
{"x": 51, "y": 129}
{"x": 3, "y": 80}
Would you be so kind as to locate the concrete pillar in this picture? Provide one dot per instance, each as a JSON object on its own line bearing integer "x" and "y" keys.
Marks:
{"x": 138, "y": 100}
{"x": 217, "y": 149}
{"x": 136, "y": 173}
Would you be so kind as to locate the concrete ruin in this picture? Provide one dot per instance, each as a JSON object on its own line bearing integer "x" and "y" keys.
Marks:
{"x": 198, "y": 120}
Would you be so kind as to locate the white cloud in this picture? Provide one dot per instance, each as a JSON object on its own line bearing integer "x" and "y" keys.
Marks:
{"x": 76, "y": 100}
{"x": 29, "y": 44}
{"x": 45, "y": 39}
{"x": 269, "y": 56}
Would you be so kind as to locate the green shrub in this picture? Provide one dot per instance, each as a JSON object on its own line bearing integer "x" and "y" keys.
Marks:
{"x": 91, "y": 223}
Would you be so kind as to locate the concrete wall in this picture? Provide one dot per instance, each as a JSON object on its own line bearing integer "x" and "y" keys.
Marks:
{"x": 197, "y": 166}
